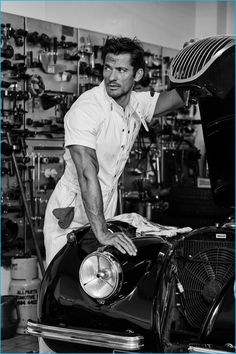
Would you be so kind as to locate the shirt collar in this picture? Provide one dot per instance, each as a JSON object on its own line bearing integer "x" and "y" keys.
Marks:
{"x": 133, "y": 105}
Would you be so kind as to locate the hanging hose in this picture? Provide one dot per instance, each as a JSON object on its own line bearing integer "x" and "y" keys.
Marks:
{"x": 25, "y": 202}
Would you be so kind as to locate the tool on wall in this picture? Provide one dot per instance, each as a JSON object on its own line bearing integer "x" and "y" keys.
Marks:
{"x": 35, "y": 85}
{"x": 55, "y": 50}
{"x": 47, "y": 59}
{"x": 7, "y": 50}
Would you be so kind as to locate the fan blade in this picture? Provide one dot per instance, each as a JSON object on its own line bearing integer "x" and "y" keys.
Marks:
{"x": 207, "y": 265}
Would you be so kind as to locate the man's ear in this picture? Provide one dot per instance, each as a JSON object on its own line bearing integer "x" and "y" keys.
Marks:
{"x": 139, "y": 74}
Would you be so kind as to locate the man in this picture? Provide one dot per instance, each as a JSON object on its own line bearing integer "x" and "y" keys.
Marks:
{"x": 143, "y": 84}
{"x": 100, "y": 129}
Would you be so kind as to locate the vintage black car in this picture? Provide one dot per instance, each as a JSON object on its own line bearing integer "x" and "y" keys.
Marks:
{"x": 176, "y": 294}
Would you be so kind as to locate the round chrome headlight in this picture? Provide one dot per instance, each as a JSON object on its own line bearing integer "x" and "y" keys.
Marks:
{"x": 100, "y": 275}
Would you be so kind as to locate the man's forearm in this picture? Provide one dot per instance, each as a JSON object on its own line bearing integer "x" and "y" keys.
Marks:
{"x": 93, "y": 204}
{"x": 86, "y": 164}
{"x": 168, "y": 101}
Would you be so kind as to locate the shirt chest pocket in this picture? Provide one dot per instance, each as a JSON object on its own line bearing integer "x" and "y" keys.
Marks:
{"x": 110, "y": 139}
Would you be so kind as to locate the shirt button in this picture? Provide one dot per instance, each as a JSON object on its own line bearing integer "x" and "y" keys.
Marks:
{"x": 123, "y": 130}
{"x": 128, "y": 131}
{"x": 122, "y": 146}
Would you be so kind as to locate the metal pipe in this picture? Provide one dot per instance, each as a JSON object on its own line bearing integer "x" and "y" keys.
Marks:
{"x": 25, "y": 204}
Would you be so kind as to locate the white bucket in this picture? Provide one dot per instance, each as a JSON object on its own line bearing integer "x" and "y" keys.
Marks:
{"x": 25, "y": 285}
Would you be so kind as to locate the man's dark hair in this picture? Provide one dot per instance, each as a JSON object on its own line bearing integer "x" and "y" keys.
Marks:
{"x": 124, "y": 45}
{"x": 145, "y": 81}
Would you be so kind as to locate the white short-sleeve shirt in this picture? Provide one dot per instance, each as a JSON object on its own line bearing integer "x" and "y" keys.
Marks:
{"x": 95, "y": 120}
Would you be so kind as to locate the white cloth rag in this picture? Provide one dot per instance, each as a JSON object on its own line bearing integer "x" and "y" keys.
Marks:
{"x": 146, "y": 227}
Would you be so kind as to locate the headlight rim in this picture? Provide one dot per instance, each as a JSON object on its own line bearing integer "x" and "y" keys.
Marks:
{"x": 116, "y": 271}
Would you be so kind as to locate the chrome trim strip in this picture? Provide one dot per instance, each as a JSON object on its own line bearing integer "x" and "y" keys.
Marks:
{"x": 97, "y": 339}
{"x": 194, "y": 349}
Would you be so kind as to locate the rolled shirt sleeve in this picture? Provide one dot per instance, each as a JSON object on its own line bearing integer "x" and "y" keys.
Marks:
{"x": 81, "y": 127}
{"x": 148, "y": 104}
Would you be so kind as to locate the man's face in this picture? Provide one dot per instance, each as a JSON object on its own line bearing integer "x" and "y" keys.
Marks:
{"x": 118, "y": 76}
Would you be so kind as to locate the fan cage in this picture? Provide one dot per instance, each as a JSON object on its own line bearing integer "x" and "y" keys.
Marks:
{"x": 204, "y": 274}
{"x": 190, "y": 247}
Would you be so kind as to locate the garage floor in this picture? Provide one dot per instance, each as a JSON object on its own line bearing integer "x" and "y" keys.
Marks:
{"x": 21, "y": 343}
